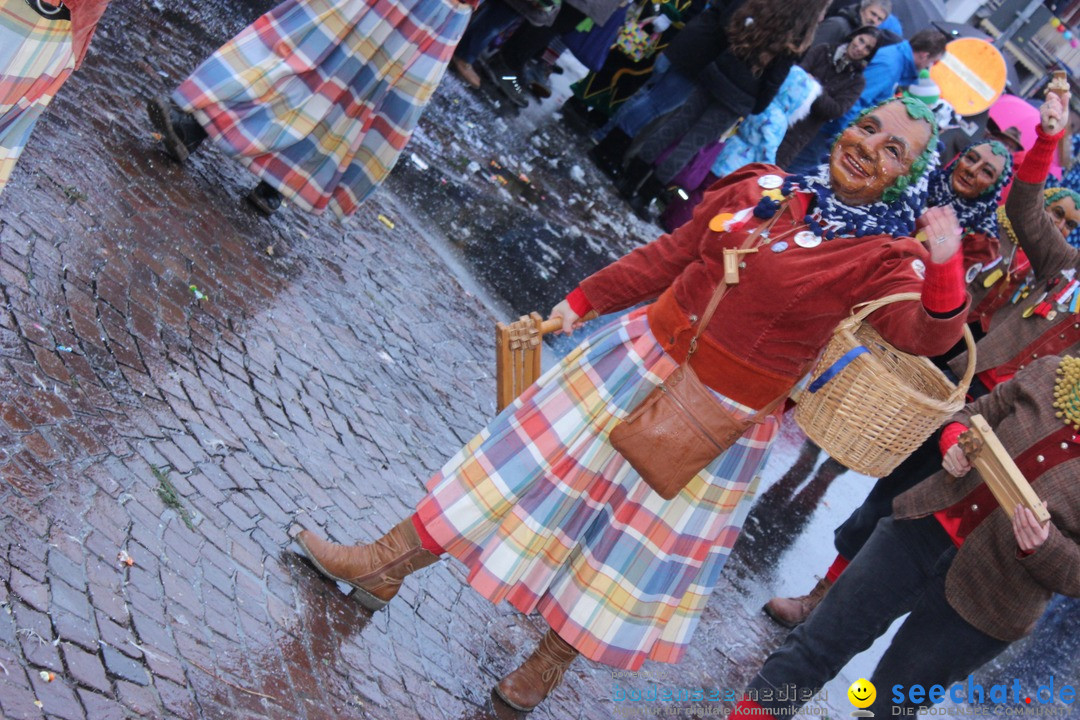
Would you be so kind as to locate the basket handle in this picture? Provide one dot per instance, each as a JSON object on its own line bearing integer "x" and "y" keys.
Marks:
{"x": 863, "y": 309}
{"x": 857, "y": 315}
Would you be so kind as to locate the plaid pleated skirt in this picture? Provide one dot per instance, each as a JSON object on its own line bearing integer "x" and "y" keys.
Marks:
{"x": 549, "y": 517}
{"x": 35, "y": 59}
{"x": 319, "y": 97}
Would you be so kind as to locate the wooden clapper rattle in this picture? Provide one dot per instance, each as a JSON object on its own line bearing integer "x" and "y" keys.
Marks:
{"x": 1008, "y": 485}
{"x": 517, "y": 345}
{"x": 517, "y": 354}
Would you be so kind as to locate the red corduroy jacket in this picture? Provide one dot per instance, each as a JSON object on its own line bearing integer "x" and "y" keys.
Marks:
{"x": 787, "y": 304}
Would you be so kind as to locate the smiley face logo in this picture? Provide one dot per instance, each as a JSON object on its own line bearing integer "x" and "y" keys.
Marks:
{"x": 862, "y": 693}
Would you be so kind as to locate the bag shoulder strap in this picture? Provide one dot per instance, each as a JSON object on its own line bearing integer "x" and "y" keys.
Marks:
{"x": 722, "y": 286}
{"x": 717, "y": 296}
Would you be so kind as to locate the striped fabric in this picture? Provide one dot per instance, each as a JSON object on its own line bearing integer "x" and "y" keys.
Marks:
{"x": 549, "y": 517}
{"x": 318, "y": 97}
{"x": 35, "y": 60}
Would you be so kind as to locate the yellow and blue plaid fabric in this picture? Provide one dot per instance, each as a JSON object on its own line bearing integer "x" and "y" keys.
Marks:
{"x": 319, "y": 97}
{"x": 35, "y": 60}
{"x": 548, "y": 516}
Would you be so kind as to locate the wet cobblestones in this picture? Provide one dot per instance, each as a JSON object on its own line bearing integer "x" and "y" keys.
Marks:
{"x": 184, "y": 383}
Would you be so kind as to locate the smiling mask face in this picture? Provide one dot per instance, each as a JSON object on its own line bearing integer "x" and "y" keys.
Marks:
{"x": 977, "y": 171}
{"x": 874, "y": 151}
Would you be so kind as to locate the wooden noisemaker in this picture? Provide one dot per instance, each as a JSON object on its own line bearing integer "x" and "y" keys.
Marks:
{"x": 1008, "y": 485}
{"x": 517, "y": 354}
{"x": 1059, "y": 85}
{"x": 731, "y": 263}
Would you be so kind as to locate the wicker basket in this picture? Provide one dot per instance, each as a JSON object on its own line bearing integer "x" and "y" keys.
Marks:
{"x": 869, "y": 405}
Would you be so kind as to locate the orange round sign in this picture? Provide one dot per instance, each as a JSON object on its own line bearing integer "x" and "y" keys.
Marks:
{"x": 971, "y": 75}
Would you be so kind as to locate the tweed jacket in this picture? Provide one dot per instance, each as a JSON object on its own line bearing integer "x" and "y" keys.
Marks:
{"x": 1011, "y": 335}
{"x": 989, "y": 584}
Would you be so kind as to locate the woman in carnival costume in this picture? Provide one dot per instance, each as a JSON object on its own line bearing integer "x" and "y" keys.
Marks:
{"x": 41, "y": 43}
{"x": 316, "y": 97}
{"x": 547, "y": 515}
{"x": 975, "y": 577}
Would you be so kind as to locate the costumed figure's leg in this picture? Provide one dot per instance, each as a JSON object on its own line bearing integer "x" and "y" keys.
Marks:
{"x": 934, "y": 646}
{"x": 853, "y": 533}
{"x": 375, "y": 570}
{"x": 319, "y": 97}
{"x": 882, "y": 583}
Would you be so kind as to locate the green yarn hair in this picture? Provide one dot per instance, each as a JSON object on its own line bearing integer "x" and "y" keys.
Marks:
{"x": 916, "y": 110}
{"x": 999, "y": 148}
{"x": 1052, "y": 195}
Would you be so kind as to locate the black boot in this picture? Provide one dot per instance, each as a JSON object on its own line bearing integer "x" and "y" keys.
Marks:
{"x": 507, "y": 80}
{"x": 608, "y": 154}
{"x": 635, "y": 174}
{"x": 181, "y": 134}
{"x": 644, "y": 201}
{"x": 265, "y": 198}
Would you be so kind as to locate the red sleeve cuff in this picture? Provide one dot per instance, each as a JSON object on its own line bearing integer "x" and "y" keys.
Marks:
{"x": 950, "y": 436}
{"x": 578, "y": 302}
{"x": 943, "y": 289}
{"x": 1036, "y": 165}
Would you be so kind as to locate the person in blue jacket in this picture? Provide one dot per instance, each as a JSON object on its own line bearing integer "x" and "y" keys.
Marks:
{"x": 898, "y": 65}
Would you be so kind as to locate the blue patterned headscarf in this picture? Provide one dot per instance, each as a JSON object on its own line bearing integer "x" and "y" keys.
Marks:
{"x": 978, "y": 214}
{"x": 901, "y": 204}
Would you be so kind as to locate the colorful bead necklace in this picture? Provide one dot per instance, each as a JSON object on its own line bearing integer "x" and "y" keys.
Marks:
{"x": 1067, "y": 392}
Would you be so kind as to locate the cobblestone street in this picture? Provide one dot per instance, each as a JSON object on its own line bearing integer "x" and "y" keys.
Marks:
{"x": 184, "y": 384}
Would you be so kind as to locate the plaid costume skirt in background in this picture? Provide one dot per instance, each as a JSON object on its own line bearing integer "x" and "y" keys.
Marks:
{"x": 548, "y": 516}
{"x": 319, "y": 97}
{"x": 35, "y": 59}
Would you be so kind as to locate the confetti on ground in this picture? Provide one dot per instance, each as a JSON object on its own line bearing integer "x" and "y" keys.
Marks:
{"x": 386, "y": 221}
{"x": 63, "y": 349}
{"x": 47, "y": 676}
{"x": 198, "y": 293}
{"x": 124, "y": 559}
{"x": 419, "y": 162}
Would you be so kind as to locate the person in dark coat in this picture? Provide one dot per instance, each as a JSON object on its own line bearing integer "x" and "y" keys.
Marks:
{"x": 838, "y": 67}
{"x": 738, "y": 59}
{"x": 975, "y": 576}
{"x": 835, "y": 29}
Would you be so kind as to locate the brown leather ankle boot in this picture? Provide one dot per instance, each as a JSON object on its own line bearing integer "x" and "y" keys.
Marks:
{"x": 526, "y": 687}
{"x": 376, "y": 569}
{"x": 790, "y": 612}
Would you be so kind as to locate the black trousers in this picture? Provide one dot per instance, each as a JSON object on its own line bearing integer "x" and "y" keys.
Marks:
{"x": 529, "y": 41}
{"x": 901, "y": 569}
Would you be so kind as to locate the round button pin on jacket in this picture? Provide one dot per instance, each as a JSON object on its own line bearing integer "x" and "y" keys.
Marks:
{"x": 807, "y": 239}
{"x": 770, "y": 182}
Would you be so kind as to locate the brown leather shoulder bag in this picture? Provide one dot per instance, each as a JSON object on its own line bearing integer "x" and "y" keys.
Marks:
{"x": 680, "y": 427}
